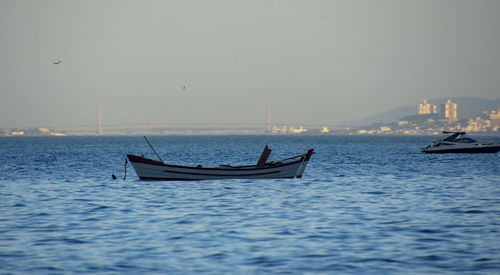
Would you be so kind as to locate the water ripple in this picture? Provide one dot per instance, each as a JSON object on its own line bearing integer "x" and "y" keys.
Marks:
{"x": 366, "y": 205}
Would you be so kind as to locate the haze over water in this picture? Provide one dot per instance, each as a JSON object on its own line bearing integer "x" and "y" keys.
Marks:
{"x": 319, "y": 62}
{"x": 366, "y": 204}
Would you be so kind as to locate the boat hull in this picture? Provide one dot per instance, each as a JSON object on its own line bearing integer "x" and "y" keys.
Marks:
{"x": 147, "y": 169}
{"x": 477, "y": 149}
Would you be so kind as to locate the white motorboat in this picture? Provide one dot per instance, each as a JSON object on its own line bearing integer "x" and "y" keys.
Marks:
{"x": 459, "y": 142}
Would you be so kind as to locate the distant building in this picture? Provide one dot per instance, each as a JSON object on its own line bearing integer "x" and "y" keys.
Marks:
{"x": 495, "y": 119}
{"x": 288, "y": 130}
{"x": 299, "y": 130}
{"x": 478, "y": 125}
{"x": 449, "y": 110}
{"x": 385, "y": 129}
{"x": 425, "y": 108}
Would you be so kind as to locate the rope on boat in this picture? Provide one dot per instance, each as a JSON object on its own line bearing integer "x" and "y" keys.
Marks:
{"x": 126, "y": 161}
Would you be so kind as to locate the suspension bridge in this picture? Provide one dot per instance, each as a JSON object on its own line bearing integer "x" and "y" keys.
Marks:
{"x": 112, "y": 121}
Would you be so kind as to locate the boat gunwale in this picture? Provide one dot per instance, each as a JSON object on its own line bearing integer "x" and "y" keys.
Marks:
{"x": 271, "y": 165}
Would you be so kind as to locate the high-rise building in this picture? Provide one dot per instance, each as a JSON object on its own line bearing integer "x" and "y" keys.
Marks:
{"x": 425, "y": 108}
{"x": 449, "y": 110}
{"x": 495, "y": 119}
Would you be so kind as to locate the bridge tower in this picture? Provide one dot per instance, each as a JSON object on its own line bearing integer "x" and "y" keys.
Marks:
{"x": 100, "y": 121}
{"x": 269, "y": 118}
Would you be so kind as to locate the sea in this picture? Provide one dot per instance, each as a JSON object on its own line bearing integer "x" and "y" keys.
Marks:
{"x": 365, "y": 205}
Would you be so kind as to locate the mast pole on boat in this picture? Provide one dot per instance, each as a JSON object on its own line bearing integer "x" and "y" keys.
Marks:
{"x": 153, "y": 149}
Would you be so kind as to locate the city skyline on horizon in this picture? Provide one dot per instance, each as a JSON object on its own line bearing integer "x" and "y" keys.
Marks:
{"x": 485, "y": 120}
{"x": 104, "y": 114}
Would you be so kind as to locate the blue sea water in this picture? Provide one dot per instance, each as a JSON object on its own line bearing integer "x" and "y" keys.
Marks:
{"x": 365, "y": 205}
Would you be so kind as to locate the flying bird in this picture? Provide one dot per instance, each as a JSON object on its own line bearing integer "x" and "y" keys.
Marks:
{"x": 57, "y": 62}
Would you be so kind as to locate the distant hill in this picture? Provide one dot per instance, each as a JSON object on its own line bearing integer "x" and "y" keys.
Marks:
{"x": 467, "y": 107}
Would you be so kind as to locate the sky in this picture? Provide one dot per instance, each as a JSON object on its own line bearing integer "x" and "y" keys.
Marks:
{"x": 314, "y": 62}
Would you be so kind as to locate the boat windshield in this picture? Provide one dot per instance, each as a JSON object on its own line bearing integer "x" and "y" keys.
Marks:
{"x": 460, "y": 137}
{"x": 452, "y": 137}
{"x": 465, "y": 139}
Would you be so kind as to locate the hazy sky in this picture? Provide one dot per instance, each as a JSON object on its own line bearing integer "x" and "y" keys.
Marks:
{"x": 321, "y": 62}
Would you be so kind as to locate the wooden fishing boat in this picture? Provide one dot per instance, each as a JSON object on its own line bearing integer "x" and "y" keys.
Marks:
{"x": 293, "y": 167}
